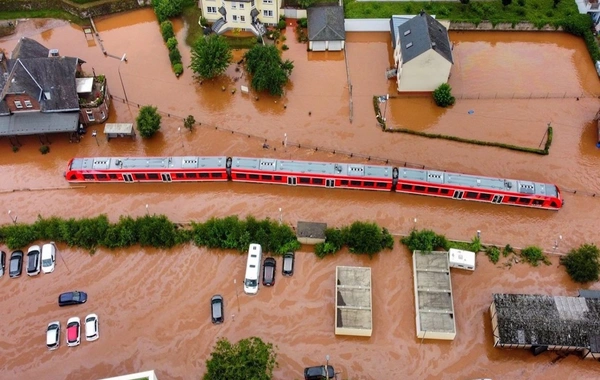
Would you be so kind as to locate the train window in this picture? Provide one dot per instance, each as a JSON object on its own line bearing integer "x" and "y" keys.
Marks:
{"x": 240, "y": 175}
{"x": 190, "y": 175}
{"x": 524, "y": 201}
{"x": 112, "y": 176}
{"x": 344, "y": 182}
{"x": 101, "y": 176}
{"x": 179, "y": 175}
{"x": 369, "y": 183}
{"x": 278, "y": 178}
{"x": 512, "y": 199}
{"x": 355, "y": 183}
{"x": 318, "y": 181}
{"x": 538, "y": 202}
{"x": 88, "y": 176}
{"x": 304, "y": 180}
{"x": 267, "y": 177}
{"x": 445, "y": 191}
{"x": 139, "y": 175}
{"x": 152, "y": 175}
{"x": 217, "y": 175}
{"x": 432, "y": 189}
{"x": 406, "y": 187}
{"x": 420, "y": 188}
{"x": 485, "y": 197}
{"x": 381, "y": 184}
{"x": 254, "y": 176}
{"x": 471, "y": 195}
{"x": 204, "y": 175}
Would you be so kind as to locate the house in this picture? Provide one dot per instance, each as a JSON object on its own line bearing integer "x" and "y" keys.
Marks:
{"x": 243, "y": 15}
{"x": 326, "y": 28}
{"x": 43, "y": 92}
{"x": 422, "y": 53}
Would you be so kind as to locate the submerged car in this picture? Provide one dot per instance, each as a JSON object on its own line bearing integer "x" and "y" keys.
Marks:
{"x": 287, "y": 269}
{"x": 34, "y": 262}
{"x": 53, "y": 335}
{"x": 2, "y": 262}
{"x": 48, "y": 257}
{"x": 73, "y": 332}
{"x": 319, "y": 373}
{"x": 92, "y": 331}
{"x": 72, "y": 298}
{"x": 269, "y": 271}
{"x": 16, "y": 264}
{"x": 216, "y": 309}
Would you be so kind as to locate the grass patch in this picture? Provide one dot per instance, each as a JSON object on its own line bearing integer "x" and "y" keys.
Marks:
{"x": 46, "y": 13}
{"x": 191, "y": 16}
{"x": 241, "y": 42}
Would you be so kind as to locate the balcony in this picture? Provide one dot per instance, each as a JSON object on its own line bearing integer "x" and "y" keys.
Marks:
{"x": 588, "y": 6}
{"x": 91, "y": 91}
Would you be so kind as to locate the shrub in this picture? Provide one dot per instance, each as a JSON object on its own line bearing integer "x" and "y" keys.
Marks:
{"x": 582, "y": 264}
{"x": 367, "y": 238}
{"x": 178, "y": 69}
{"x": 148, "y": 121}
{"x": 284, "y": 47}
{"x": 425, "y": 241}
{"x": 172, "y": 43}
{"x": 443, "y": 95}
{"x": 493, "y": 253}
{"x": 533, "y": 255}
{"x": 204, "y": 22}
{"x": 174, "y": 56}
{"x": 507, "y": 250}
{"x": 303, "y": 22}
{"x": 15, "y": 149}
{"x": 165, "y": 9}
{"x": 281, "y": 24}
{"x": 521, "y": 3}
{"x": 166, "y": 29}
{"x": 44, "y": 149}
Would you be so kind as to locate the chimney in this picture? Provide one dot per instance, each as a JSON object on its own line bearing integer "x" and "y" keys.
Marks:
{"x": 422, "y": 13}
{"x": 433, "y": 45}
{"x": 53, "y": 53}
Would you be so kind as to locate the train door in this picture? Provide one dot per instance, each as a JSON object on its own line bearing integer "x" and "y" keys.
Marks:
{"x": 497, "y": 199}
{"x": 458, "y": 194}
{"x": 291, "y": 181}
{"x": 166, "y": 177}
{"x": 330, "y": 183}
{"x": 127, "y": 178}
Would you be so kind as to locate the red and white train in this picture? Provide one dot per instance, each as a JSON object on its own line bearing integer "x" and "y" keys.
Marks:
{"x": 318, "y": 174}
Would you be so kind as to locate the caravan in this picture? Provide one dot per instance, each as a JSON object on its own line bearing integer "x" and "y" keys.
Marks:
{"x": 253, "y": 269}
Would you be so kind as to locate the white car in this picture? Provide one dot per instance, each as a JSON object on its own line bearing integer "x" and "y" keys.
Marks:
{"x": 48, "y": 257}
{"x": 73, "y": 332}
{"x": 92, "y": 331}
{"x": 53, "y": 335}
{"x": 34, "y": 262}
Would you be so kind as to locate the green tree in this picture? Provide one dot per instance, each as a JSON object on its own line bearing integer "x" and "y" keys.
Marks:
{"x": 148, "y": 121}
{"x": 582, "y": 263}
{"x": 210, "y": 56}
{"x": 166, "y": 29}
{"x": 250, "y": 358}
{"x": 188, "y": 122}
{"x": 167, "y": 8}
{"x": 306, "y": 3}
{"x": 269, "y": 72}
{"x": 443, "y": 95}
{"x": 506, "y": 3}
{"x": 465, "y": 2}
{"x": 425, "y": 241}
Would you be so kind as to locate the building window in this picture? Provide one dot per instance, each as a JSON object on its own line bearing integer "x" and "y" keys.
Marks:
{"x": 268, "y": 13}
{"x": 234, "y": 18}
{"x": 18, "y": 104}
{"x": 90, "y": 115}
{"x": 242, "y": 18}
{"x": 241, "y": 5}
{"x": 233, "y": 6}
{"x": 211, "y": 9}
{"x": 103, "y": 115}
{"x": 28, "y": 103}
{"x": 268, "y": 1}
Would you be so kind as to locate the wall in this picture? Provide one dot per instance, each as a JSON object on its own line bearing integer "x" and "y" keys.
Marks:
{"x": 485, "y": 25}
{"x": 424, "y": 72}
{"x": 294, "y": 13}
{"x": 367, "y": 25}
{"x": 98, "y": 8}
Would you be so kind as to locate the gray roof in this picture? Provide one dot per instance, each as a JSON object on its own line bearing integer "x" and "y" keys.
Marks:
{"x": 30, "y": 123}
{"x": 541, "y": 320}
{"x": 586, "y": 293}
{"x": 311, "y": 230}
{"x": 326, "y": 23}
{"x": 395, "y": 22}
{"x": 421, "y": 33}
{"x": 28, "y": 48}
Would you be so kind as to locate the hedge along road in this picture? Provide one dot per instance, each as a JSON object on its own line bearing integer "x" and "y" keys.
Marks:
{"x": 153, "y": 304}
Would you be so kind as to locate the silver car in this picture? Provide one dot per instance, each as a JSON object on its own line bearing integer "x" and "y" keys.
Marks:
{"x": 53, "y": 335}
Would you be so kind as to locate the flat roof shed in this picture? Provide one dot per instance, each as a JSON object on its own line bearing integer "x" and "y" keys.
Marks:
{"x": 112, "y": 130}
{"x": 353, "y": 301}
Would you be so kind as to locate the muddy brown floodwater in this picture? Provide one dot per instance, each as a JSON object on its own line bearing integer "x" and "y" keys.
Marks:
{"x": 153, "y": 305}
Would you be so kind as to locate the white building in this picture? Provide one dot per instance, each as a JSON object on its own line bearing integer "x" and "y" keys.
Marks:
{"x": 422, "y": 53}
{"x": 243, "y": 15}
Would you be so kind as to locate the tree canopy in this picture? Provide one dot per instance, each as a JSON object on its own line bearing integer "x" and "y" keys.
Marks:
{"x": 582, "y": 263}
{"x": 269, "y": 72}
{"x": 148, "y": 121}
{"x": 250, "y": 358}
{"x": 168, "y": 8}
{"x": 210, "y": 56}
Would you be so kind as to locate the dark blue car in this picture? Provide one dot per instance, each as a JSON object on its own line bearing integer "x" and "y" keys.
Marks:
{"x": 72, "y": 298}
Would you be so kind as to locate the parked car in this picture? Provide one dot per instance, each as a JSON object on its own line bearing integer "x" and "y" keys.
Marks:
{"x": 2, "y": 262}
{"x": 73, "y": 332}
{"x": 16, "y": 264}
{"x": 319, "y": 373}
{"x": 53, "y": 335}
{"x": 48, "y": 257}
{"x": 269, "y": 271}
{"x": 72, "y": 298}
{"x": 34, "y": 262}
{"x": 216, "y": 309}
{"x": 92, "y": 331}
{"x": 287, "y": 269}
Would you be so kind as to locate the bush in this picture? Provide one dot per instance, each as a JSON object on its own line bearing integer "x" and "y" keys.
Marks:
{"x": 204, "y": 22}
{"x": 148, "y": 121}
{"x": 44, "y": 149}
{"x": 172, "y": 43}
{"x": 425, "y": 241}
{"x": 360, "y": 237}
{"x": 521, "y": 3}
{"x": 284, "y": 47}
{"x": 303, "y": 22}
{"x": 493, "y": 253}
{"x": 443, "y": 95}
{"x": 582, "y": 263}
{"x": 165, "y": 9}
{"x": 507, "y": 250}
{"x": 281, "y": 24}
{"x": 178, "y": 69}
{"x": 166, "y": 29}
{"x": 533, "y": 255}
{"x": 174, "y": 56}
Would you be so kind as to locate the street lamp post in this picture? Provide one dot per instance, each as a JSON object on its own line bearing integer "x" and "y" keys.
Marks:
{"x": 280, "y": 215}
{"x": 387, "y": 97}
{"x": 236, "y": 293}
{"x": 180, "y": 136}
{"x": 95, "y": 136}
{"x": 14, "y": 220}
{"x": 327, "y": 365}
{"x": 124, "y": 58}
{"x": 147, "y": 212}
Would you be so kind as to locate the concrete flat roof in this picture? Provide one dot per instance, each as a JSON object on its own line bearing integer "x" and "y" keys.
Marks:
{"x": 353, "y": 301}
{"x": 433, "y": 296}
{"x": 84, "y": 85}
{"x": 34, "y": 123}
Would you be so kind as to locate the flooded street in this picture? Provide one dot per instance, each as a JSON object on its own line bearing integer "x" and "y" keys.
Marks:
{"x": 154, "y": 306}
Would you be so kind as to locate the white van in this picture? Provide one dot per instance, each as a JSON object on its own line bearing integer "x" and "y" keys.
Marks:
{"x": 48, "y": 257}
{"x": 253, "y": 269}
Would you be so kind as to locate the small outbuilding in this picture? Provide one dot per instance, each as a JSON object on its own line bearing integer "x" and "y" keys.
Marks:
{"x": 461, "y": 259}
{"x": 113, "y": 130}
{"x": 326, "y": 29}
{"x": 311, "y": 233}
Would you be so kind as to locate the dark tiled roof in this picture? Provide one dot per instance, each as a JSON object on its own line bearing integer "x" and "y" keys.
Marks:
{"x": 547, "y": 320}
{"x": 326, "y": 23}
{"x": 28, "y": 48}
{"x": 31, "y": 123}
{"x": 421, "y": 33}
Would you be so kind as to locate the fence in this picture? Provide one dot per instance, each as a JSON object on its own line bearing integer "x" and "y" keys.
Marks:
{"x": 505, "y": 95}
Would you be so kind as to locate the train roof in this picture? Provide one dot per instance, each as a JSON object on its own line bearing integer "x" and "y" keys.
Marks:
{"x": 115, "y": 163}
{"x": 456, "y": 179}
{"x": 309, "y": 167}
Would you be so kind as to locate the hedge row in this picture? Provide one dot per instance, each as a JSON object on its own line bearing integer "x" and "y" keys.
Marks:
{"x": 166, "y": 29}
{"x": 362, "y": 238}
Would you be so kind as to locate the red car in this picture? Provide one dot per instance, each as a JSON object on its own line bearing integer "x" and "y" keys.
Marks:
{"x": 73, "y": 332}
